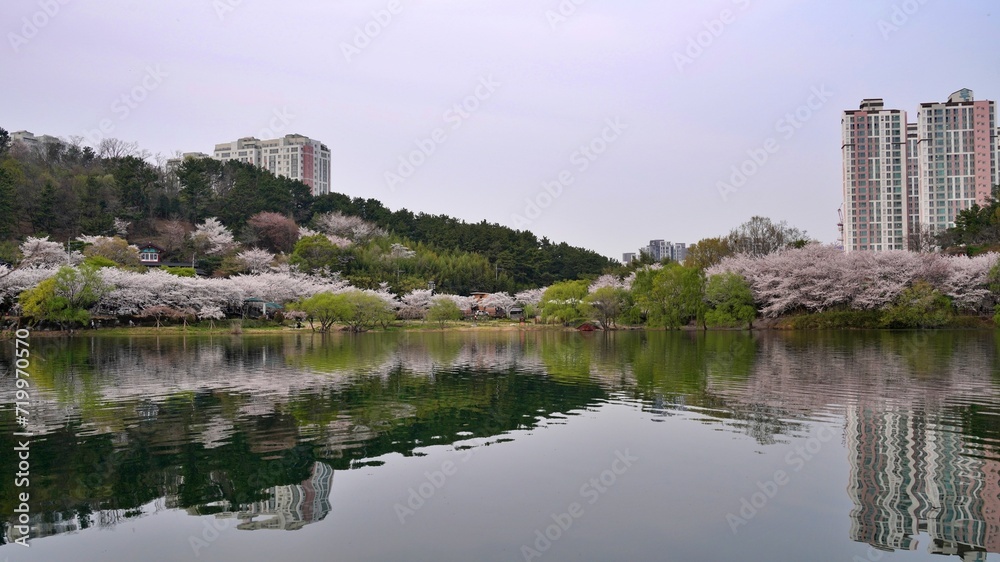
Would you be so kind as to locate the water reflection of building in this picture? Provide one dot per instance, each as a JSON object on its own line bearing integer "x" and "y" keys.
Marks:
{"x": 290, "y": 507}
{"x": 910, "y": 476}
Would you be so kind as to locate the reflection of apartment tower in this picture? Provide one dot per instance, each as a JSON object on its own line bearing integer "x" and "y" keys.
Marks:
{"x": 291, "y": 507}
{"x": 887, "y": 478}
{"x": 991, "y": 504}
{"x": 293, "y": 156}
{"x": 874, "y": 160}
{"x": 909, "y": 477}
{"x": 957, "y": 156}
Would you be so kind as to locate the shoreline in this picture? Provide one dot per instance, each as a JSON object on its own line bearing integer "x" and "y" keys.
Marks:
{"x": 787, "y": 324}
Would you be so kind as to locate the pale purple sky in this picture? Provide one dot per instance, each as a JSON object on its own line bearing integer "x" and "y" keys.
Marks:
{"x": 674, "y": 119}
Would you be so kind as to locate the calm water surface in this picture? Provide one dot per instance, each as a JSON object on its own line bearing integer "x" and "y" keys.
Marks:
{"x": 509, "y": 446}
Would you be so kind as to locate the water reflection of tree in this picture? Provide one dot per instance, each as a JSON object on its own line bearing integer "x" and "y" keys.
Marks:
{"x": 206, "y": 420}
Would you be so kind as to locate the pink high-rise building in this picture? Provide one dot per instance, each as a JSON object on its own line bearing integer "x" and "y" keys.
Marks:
{"x": 957, "y": 157}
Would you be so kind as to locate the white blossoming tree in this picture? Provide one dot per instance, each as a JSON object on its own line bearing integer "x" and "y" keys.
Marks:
{"x": 212, "y": 237}
{"x": 42, "y": 252}
{"x": 255, "y": 260}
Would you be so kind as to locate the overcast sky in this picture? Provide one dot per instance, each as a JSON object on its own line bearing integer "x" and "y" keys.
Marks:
{"x": 641, "y": 107}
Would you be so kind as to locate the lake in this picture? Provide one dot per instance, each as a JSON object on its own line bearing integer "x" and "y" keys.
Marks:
{"x": 506, "y": 446}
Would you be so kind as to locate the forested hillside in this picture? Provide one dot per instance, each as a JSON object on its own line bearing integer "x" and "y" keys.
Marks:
{"x": 64, "y": 192}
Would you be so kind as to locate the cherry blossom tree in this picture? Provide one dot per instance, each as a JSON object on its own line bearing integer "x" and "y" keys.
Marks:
{"x": 121, "y": 226}
{"x": 414, "y": 305}
{"x": 255, "y": 260}
{"x": 399, "y": 251}
{"x": 161, "y": 312}
{"x": 352, "y": 228}
{"x": 609, "y": 280}
{"x": 278, "y": 232}
{"x": 42, "y": 252}
{"x": 501, "y": 302}
{"x": 212, "y": 237}
{"x": 816, "y": 278}
{"x": 530, "y": 297}
{"x": 211, "y": 313}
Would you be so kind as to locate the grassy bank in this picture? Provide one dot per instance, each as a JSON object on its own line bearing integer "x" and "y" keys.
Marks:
{"x": 868, "y": 320}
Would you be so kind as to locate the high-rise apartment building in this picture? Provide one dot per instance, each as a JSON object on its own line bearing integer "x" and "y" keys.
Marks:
{"x": 294, "y": 156}
{"x": 957, "y": 157}
{"x": 662, "y": 249}
{"x": 912, "y": 180}
{"x": 875, "y": 177}
{"x": 904, "y": 179}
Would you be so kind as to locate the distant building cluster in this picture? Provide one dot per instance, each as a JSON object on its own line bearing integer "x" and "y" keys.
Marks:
{"x": 38, "y": 143}
{"x": 902, "y": 179}
{"x": 659, "y": 250}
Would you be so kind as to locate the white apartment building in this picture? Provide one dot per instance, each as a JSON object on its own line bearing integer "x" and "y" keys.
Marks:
{"x": 37, "y": 143}
{"x": 876, "y": 189}
{"x": 293, "y": 156}
{"x": 912, "y": 179}
{"x": 663, "y": 249}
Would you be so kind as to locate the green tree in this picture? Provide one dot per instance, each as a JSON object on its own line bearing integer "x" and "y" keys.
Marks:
{"x": 325, "y": 308}
{"x": 730, "y": 301}
{"x": 443, "y": 310}
{"x": 64, "y": 298}
{"x": 672, "y": 296}
{"x": 366, "y": 311}
{"x": 8, "y": 203}
{"x": 115, "y": 249}
{"x": 313, "y": 253}
{"x": 564, "y": 302}
{"x": 707, "y": 252}
{"x": 198, "y": 179}
{"x": 609, "y": 303}
{"x": 919, "y": 306}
